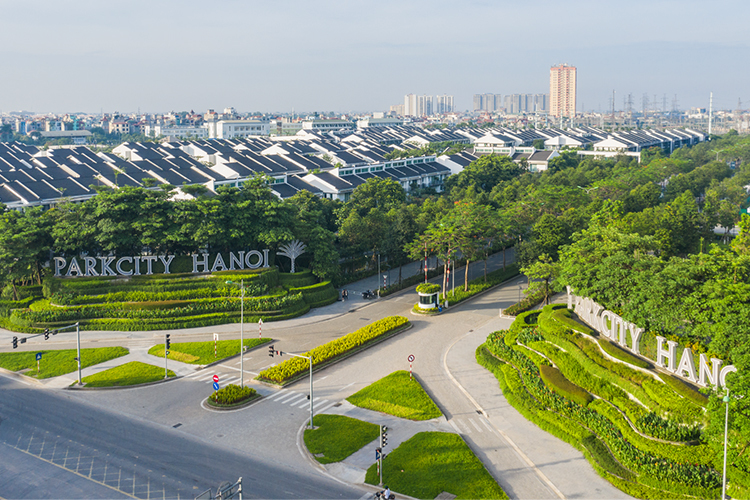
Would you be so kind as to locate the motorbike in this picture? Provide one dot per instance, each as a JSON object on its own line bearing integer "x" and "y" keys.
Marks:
{"x": 368, "y": 294}
{"x": 380, "y": 495}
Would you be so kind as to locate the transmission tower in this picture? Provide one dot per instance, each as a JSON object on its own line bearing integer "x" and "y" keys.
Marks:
{"x": 644, "y": 102}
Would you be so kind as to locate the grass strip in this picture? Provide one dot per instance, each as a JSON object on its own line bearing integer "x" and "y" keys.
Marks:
{"x": 202, "y": 353}
{"x": 336, "y": 437}
{"x": 58, "y": 362}
{"x": 430, "y": 463}
{"x": 397, "y": 395}
{"x": 132, "y": 373}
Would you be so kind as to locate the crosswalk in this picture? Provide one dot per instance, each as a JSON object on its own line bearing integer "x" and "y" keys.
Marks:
{"x": 471, "y": 425}
{"x": 287, "y": 397}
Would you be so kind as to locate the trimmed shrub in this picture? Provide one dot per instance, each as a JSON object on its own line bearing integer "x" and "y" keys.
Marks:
{"x": 526, "y": 303}
{"x": 231, "y": 395}
{"x": 565, "y": 388}
{"x": 616, "y": 352}
{"x": 428, "y": 288}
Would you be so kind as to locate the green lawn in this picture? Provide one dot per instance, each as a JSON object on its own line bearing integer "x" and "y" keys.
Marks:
{"x": 58, "y": 362}
{"x": 132, "y": 373}
{"x": 432, "y": 462}
{"x": 338, "y": 436}
{"x": 398, "y": 396}
{"x": 202, "y": 353}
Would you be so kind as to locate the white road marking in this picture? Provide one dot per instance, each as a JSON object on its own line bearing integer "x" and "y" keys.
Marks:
{"x": 278, "y": 395}
{"x": 475, "y": 424}
{"x": 345, "y": 387}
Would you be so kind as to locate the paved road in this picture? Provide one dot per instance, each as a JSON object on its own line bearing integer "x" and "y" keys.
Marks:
{"x": 526, "y": 461}
{"x": 104, "y": 451}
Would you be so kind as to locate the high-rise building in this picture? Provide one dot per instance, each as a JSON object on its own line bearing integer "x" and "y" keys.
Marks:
{"x": 487, "y": 102}
{"x": 417, "y": 105}
{"x": 562, "y": 90}
{"x": 526, "y": 103}
{"x": 444, "y": 104}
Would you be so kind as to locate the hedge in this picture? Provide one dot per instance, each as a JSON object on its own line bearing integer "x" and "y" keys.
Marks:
{"x": 526, "y": 303}
{"x": 231, "y": 395}
{"x": 300, "y": 279}
{"x": 317, "y": 295}
{"x": 290, "y": 368}
{"x": 669, "y": 475}
{"x": 618, "y": 353}
{"x": 117, "y": 310}
{"x": 428, "y": 288}
{"x": 565, "y": 388}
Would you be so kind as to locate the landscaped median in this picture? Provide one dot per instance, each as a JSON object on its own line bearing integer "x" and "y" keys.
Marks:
{"x": 287, "y": 371}
{"x": 430, "y": 463}
{"x": 204, "y": 353}
{"x": 133, "y": 373}
{"x": 399, "y": 395}
{"x": 232, "y": 396}
{"x": 335, "y": 437}
{"x": 58, "y": 362}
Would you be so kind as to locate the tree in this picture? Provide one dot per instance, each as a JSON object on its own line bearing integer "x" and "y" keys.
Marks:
{"x": 542, "y": 277}
{"x": 484, "y": 174}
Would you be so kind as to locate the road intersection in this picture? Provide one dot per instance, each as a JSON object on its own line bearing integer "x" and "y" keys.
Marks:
{"x": 263, "y": 439}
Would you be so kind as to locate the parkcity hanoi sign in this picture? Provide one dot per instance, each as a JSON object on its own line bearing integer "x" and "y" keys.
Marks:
{"x": 149, "y": 264}
{"x": 618, "y": 330}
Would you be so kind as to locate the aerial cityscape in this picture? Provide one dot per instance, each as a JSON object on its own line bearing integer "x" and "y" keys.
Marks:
{"x": 426, "y": 250}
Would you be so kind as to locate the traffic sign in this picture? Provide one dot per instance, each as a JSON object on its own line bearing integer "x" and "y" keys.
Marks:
{"x": 411, "y": 358}
{"x": 38, "y": 356}
{"x": 216, "y": 336}
{"x": 216, "y": 378}
{"x": 216, "y": 386}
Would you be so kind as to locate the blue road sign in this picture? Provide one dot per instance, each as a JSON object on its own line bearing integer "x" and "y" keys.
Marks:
{"x": 216, "y": 386}
{"x": 38, "y": 356}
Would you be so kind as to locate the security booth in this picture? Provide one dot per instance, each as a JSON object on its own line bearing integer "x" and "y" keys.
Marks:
{"x": 428, "y": 295}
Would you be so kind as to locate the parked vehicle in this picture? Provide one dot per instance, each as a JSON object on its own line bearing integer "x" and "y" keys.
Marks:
{"x": 369, "y": 294}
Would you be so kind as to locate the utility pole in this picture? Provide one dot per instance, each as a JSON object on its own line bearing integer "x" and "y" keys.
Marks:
{"x": 710, "y": 111}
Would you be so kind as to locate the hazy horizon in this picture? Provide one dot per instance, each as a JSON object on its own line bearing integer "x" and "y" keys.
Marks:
{"x": 355, "y": 56}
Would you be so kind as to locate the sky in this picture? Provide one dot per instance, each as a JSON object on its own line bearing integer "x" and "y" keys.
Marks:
{"x": 66, "y": 56}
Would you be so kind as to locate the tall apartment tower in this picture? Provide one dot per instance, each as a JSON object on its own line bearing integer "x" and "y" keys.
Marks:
{"x": 417, "y": 105}
{"x": 444, "y": 104}
{"x": 562, "y": 90}
{"x": 487, "y": 102}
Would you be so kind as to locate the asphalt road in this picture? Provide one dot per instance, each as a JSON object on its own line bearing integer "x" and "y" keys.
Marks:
{"x": 69, "y": 448}
{"x": 162, "y": 442}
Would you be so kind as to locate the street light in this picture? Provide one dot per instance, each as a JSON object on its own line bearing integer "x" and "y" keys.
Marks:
{"x": 242, "y": 330}
{"x": 520, "y": 283}
{"x": 726, "y": 428}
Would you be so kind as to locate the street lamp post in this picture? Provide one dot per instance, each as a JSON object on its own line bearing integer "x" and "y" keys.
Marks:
{"x": 520, "y": 283}
{"x": 309, "y": 358}
{"x": 242, "y": 330}
{"x": 726, "y": 429}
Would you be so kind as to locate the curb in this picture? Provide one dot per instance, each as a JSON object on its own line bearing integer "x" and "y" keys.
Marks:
{"x": 118, "y": 387}
{"x": 241, "y": 406}
{"x": 21, "y": 377}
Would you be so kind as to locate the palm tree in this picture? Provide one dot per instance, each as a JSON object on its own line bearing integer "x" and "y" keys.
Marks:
{"x": 293, "y": 250}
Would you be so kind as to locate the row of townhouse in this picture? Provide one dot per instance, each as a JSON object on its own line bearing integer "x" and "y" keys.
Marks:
{"x": 321, "y": 162}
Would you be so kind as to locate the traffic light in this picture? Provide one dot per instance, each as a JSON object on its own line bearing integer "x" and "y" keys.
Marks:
{"x": 383, "y": 436}
{"x": 46, "y": 334}
{"x": 167, "y": 342}
{"x": 15, "y": 342}
{"x": 270, "y": 350}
